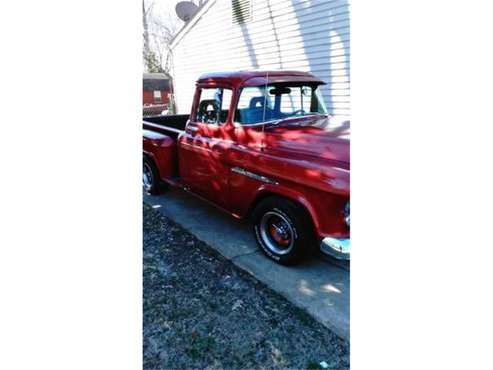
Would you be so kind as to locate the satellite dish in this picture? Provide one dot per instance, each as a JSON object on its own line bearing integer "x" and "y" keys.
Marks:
{"x": 185, "y": 10}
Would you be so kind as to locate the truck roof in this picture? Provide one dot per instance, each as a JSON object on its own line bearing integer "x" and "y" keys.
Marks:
{"x": 257, "y": 78}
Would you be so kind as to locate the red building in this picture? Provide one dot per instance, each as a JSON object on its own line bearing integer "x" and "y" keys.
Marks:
{"x": 156, "y": 89}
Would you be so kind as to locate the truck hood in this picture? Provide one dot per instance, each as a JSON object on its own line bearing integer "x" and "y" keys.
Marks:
{"x": 319, "y": 138}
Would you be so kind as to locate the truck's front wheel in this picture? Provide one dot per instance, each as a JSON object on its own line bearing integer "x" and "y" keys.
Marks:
{"x": 283, "y": 230}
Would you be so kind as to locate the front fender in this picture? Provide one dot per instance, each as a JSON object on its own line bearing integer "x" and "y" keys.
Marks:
{"x": 326, "y": 209}
{"x": 287, "y": 192}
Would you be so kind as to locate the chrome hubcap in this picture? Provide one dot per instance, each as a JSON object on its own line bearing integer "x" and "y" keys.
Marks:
{"x": 147, "y": 177}
{"x": 276, "y": 232}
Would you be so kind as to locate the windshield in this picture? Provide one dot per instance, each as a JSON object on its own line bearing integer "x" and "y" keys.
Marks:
{"x": 278, "y": 101}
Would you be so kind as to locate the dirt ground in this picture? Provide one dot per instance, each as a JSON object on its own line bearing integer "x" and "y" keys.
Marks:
{"x": 201, "y": 311}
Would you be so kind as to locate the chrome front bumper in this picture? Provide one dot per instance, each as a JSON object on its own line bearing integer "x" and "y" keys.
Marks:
{"x": 338, "y": 248}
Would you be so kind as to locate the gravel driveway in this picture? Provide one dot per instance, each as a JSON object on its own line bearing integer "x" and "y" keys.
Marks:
{"x": 201, "y": 311}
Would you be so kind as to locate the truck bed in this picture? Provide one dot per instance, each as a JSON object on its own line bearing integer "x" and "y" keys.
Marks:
{"x": 171, "y": 125}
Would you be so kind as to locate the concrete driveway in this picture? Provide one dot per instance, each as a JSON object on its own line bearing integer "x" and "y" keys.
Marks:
{"x": 319, "y": 286}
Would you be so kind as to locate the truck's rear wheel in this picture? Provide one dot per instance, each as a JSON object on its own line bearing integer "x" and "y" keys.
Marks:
{"x": 283, "y": 230}
{"x": 150, "y": 177}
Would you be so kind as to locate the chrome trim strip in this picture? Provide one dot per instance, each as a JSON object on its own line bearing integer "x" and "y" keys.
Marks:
{"x": 252, "y": 175}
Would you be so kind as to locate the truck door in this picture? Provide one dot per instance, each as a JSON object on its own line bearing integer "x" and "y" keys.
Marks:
{"x": 202, "y": 147}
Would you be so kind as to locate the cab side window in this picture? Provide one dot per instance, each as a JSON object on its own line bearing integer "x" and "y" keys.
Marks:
{"x": 213, "y": 105}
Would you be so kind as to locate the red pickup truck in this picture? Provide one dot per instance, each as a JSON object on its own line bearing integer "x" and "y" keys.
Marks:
{"x": 260, "y": 145}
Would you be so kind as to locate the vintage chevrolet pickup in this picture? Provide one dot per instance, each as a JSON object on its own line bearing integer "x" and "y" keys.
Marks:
{"x": 260, "y": 146}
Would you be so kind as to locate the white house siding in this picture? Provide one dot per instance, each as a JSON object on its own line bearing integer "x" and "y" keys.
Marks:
{"x": 305, "y": 35}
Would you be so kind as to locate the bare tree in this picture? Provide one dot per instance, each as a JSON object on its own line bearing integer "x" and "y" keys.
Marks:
{"x": 145, "y": 13}
{"x": 148, "y": 57}
{"x": 159, "y": 29}
{"x": 161, "y": 37}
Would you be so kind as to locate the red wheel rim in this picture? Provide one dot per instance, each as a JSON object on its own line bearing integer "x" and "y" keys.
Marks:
{"x": 279, "y": 233}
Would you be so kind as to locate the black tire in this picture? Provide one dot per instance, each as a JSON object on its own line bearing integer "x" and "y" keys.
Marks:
{"x": 152, "y": 183}
{"x": 283, "y": 230}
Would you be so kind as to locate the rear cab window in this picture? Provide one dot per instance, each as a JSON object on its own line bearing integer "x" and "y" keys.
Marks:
{"x": 213, "y": 107}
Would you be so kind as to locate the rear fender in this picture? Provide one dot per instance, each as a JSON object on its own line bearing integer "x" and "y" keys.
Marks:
{"x": 162, "y": 149}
